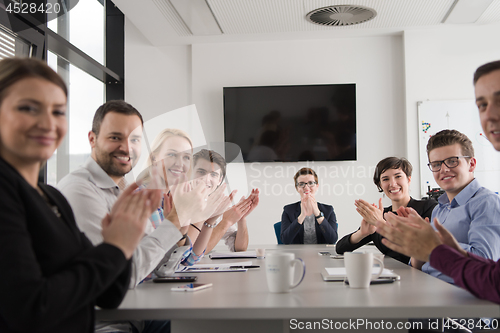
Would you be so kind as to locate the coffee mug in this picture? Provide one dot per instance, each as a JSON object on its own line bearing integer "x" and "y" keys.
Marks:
{"x": 280, "y": 268}
{"x": 261, "y": 253}
{"x": 359, "y": 268}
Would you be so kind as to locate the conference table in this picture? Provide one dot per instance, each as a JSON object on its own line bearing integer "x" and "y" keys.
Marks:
{"x": 241, "y": 301}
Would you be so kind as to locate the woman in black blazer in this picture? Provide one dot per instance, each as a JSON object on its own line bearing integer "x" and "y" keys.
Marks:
{"x": 52, "y": 277}
{"x": 308, "y": 221}
{"x": 393, "y": 177}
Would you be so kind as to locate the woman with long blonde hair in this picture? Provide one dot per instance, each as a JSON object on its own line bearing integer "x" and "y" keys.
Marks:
{"x": 171, "y": 160}
{"x": 171, "y": 155}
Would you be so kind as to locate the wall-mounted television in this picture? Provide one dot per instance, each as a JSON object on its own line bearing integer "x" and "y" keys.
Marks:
{"x": 292, "y": 123}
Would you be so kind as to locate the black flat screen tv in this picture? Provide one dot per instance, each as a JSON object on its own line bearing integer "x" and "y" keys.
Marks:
{"x": 292, "y": 123}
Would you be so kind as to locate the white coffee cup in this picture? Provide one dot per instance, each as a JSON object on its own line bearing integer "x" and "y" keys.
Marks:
{"x": 280, "y": 268}
{"x": 359, "y": 268}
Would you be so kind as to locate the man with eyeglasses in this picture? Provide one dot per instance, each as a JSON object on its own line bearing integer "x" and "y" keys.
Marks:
{"x": 466, "y": 208}
{"x": 416, "y": 238}
{"x": 231, "y": 227}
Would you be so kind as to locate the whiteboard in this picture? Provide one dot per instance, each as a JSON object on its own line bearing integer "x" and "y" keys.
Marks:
{"x": 463, "y": 116}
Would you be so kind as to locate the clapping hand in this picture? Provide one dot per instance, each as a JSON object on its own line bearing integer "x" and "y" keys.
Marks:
{"x": 410, "y": 235}
{"x": 238, "y": 211}
{"x": 254, "y": 197}
{"x": 195, "y": 203}
{"x": 367, "y": 228}
{"x": 370, "y": 213}
{"x": 223, "y": 206}
{"x": 168, "y": 204}
{"x": 124, "y": 226}
{"x": 306, "y": 207}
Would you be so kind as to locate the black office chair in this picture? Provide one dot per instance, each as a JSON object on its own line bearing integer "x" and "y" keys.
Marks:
{"x": 277, "y": 231}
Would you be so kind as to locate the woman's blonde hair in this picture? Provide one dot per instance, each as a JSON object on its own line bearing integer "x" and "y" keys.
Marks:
{"x": 158, "y": 142}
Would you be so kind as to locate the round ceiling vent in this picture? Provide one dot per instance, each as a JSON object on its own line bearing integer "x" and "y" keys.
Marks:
{"x": 341, "y": 15}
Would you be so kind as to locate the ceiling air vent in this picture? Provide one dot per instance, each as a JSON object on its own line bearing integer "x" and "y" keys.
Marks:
{"x": 341, "y": 15}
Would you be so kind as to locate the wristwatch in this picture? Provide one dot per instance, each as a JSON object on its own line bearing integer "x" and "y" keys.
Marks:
{"x": 320, "y": 215}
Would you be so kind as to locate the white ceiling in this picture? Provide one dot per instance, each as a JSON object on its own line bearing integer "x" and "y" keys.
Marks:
{"x": 270, "y": 20}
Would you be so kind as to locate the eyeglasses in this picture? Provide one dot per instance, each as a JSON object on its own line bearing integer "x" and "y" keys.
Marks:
{"x": 450, "y": 162}
{"x": 302, "y": 185}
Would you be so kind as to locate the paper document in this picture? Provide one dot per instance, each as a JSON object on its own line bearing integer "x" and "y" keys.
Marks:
{"x": 231, "y": 255}
{"x": 339, "y": 273}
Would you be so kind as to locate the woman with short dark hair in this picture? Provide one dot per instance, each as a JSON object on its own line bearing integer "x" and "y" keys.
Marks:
{"x": 392, "y": 176}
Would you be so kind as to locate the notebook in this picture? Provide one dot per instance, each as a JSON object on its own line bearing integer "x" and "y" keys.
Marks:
{"x": 340, "y": 274}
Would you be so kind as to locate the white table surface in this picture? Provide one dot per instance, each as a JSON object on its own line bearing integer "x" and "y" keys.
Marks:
{"x": 243, "y": 297}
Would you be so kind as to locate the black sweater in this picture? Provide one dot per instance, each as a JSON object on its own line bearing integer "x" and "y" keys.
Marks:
{"x": 51, "y": 276}
{"x": 422, "y": 207}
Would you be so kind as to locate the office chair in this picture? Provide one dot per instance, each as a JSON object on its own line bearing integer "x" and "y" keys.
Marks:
{"x": 277, "y": 231}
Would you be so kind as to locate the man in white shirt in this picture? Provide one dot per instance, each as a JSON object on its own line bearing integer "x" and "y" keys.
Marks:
{"x": 91, "y": 190}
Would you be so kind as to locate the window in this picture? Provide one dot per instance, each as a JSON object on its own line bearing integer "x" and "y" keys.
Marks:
{"x": 86, "y": 19}
{"x": 78, "y": 45}
{"x": 85, "y": 95}
{"x": 11, "y": 46}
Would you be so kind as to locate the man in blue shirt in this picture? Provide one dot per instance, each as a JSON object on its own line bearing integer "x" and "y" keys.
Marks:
{"x": 468, "y": 210}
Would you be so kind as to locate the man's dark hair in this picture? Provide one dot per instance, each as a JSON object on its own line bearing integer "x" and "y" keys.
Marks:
{"x": 391, "y": 163}
{"x": 212, "y": 157}
{"x": 117, "y": 106}
{"x": 486, "y": 69}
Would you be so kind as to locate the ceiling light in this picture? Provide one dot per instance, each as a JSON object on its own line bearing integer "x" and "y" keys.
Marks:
{"x": 198, "y": 17}
{"x": 466, "y": 11}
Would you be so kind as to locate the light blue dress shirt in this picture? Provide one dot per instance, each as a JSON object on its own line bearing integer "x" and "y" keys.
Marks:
{"x": 473, "y": 217}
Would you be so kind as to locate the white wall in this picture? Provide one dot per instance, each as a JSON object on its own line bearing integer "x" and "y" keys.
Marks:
{"x": 157, "y": 80}
{"x": 439, "y": 65}
{"x": 392, "y": 73}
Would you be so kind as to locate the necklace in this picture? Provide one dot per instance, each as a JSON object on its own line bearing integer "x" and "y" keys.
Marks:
{"x": 46, "y": 199}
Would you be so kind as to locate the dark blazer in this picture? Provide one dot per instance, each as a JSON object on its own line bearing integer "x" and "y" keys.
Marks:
{"x": 423, "y": 207}
{"x": 293, "y": 233}
{"x": 52, "y": 276}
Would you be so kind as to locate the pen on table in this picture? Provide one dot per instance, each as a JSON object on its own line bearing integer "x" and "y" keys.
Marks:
{"x": 245, "y": 267}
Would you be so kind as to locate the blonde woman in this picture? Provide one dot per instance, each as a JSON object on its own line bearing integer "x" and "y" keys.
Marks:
{"x": 171, "y": 158}
{"x": 171, "y": 155}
